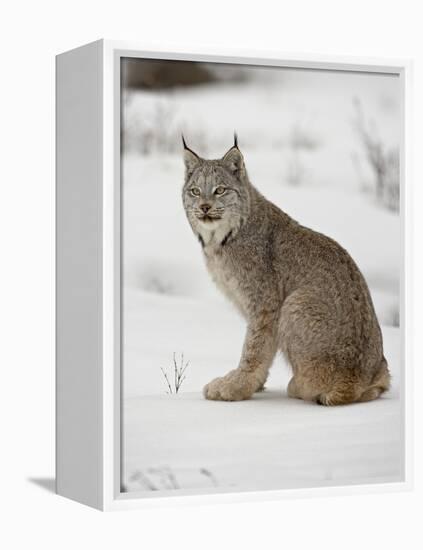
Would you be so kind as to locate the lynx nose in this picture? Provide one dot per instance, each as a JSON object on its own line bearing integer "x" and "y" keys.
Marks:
{"x": 205, "y": 208}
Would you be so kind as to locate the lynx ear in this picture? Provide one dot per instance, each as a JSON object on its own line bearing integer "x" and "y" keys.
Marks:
{"x": 191, "y": 159}
{"x": 234, "y": 159}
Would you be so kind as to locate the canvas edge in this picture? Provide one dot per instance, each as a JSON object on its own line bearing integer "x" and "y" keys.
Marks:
{"x": 79, "y": 412}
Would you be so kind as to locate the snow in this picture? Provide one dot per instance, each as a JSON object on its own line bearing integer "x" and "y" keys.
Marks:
{"x": 170, "y": 306}
{"x": 268, "y": 442}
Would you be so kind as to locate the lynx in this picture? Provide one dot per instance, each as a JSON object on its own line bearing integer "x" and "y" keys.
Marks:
{"x": 299, "y": 291}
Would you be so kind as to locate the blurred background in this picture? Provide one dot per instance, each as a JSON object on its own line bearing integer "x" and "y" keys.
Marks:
{"x": 303, "y": 115}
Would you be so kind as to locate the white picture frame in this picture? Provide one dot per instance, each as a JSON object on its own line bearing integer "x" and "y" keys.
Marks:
{"x": 88, "y": 270}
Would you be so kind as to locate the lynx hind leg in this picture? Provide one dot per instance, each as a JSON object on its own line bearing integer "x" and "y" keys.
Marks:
{"x": 370, "y": 394}
{"x": 330, "y": 385}
{"x": 325, "y": 384}
{"x": 320, "y": 373}
{"x": 381, "y": 383}
{"x": 305, "y": 330}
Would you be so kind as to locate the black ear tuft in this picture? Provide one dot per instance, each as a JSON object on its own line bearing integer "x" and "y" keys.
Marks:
{"x": 191, "y": 159}
{"x": 235, "y": 140}
{"x": 183, "y": 141}
{"x": 186, "y": 148}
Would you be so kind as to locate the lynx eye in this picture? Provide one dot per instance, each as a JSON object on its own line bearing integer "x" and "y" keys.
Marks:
{"x": 195, "y": 191}
{"x": 220, "y": 190}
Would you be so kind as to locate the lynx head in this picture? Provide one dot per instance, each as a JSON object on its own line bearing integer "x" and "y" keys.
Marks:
{"x": 215, "y": 193}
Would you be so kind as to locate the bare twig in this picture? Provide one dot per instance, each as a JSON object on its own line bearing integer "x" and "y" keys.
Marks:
{"x": 178, "y": 374}
{"x": 167, "y": 380}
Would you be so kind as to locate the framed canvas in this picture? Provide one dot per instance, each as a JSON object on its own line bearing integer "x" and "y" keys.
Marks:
{"x": 233, "y": 270}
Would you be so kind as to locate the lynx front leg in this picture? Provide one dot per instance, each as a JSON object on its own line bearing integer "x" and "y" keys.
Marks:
{"x": 258, "y": 352}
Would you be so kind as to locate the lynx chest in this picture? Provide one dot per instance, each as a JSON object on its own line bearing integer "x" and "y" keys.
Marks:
{"x": 229, "y": 279}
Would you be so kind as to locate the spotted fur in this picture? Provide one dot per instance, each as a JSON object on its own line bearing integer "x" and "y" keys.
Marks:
{"x": 299, "y": 291}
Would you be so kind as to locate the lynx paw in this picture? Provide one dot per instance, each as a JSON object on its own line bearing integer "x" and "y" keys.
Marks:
{"x": 232, "y": 387}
